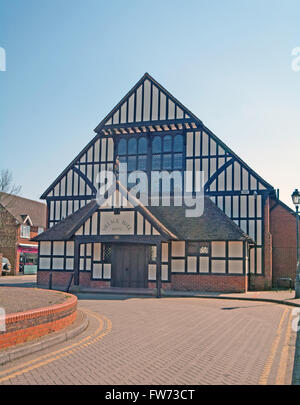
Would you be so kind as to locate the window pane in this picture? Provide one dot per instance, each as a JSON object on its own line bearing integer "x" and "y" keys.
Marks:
{"x": 142, "y": 162}
{"x": 142, "y": 146}
{"x": 178, "y": 161}
{"x": 131, "y": 163}
{"x": 106, "y": 253}
{"x": 167, "y": 161}
{"x": 156, "y": 162}
{"x": 203, "y": 248}
{"x": 122, "y": 147}
{"x": 193, "y": 248}
{"x": 122, "y": 159}
{"x": 178, "y": 143}
{"x": 152, "y": 253}
{"x": 132, "y": 146}
{"x": 198, "y": 248}
{"x": 25, "y": 231}
{"x": 218, "y": 249}
{"x": 156, "y": 145}
{"x": 167, "y": 143}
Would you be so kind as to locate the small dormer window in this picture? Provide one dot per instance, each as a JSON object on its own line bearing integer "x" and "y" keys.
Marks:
{"x": 25, "y": 231}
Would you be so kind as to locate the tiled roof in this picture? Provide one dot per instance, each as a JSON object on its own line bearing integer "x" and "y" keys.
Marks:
{"x": 213, "y": 224}
{"x": 171, "y": 221}
{"x": 21, "y": 207}
{"x": 65, "y": 228}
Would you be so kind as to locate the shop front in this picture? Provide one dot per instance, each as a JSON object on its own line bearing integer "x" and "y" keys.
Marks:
{"x": 28, "y": 258}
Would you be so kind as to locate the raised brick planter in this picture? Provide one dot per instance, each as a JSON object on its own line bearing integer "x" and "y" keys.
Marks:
{"x": 24, "y": 326}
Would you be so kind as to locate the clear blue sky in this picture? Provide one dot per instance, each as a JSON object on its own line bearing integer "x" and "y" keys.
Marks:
{"x": 70, "y": 61}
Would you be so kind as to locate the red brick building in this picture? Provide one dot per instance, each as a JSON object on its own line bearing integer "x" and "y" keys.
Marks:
{"x": 244, "y": 239}
{"x": 21, "y": 220}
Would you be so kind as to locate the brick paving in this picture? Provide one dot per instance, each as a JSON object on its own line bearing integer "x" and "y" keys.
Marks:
{"x": 278, "y": 295}
{"x": 18, "y": 299}
{"x": 29, "y": 281}
{"x": 167, "y": 341}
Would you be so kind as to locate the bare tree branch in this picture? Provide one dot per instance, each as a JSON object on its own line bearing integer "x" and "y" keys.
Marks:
{"x": 7, "y": 186}
{"x": 8, "y": 191}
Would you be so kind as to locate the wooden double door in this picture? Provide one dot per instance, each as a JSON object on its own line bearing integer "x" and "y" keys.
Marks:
{"x": 129, "y": 266}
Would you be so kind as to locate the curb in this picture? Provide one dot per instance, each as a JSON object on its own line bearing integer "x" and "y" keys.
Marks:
{"x": 37, "y": 322}
{"x": 179, "y": 295}
{"x": 271, "y": 300}
{"x": 98, "y": 291}
{"x": 17, "y": 353}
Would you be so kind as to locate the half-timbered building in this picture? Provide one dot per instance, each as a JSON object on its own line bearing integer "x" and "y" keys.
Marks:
{"x": 145, "y": 246}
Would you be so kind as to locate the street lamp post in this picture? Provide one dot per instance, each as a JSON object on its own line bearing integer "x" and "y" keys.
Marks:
{"x": 296, "y": 201}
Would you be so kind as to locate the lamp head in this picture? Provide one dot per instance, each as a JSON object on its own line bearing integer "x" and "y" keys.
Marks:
{"x": 296, "y": 197}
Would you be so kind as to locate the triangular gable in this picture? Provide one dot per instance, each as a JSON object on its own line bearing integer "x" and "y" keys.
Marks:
{"x": 147, "y": 101}
{"x": 125, "y": 200}
{"x": 26, "y": 220}
{"x": 86, "y": 219}
{"x": 159, "y": 117}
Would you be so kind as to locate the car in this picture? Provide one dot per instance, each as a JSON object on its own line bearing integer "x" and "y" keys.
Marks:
{"x": 6, "y": 266}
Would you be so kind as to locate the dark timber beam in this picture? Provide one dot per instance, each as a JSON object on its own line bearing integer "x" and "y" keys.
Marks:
{"x": 158, "y": 271}
{"x": 76, "y": 263}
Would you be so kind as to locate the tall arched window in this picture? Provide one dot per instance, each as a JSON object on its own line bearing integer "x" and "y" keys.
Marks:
{"x": 142, "y": 154}
{"x": 178, "y": 152}
{"x": 132, "y": 146}
{"x": 167, "y": 143}
{"x": 167, "y": 152}
{"x": 178, "y": 143}
{"x": 122, "y": 147}
{"x": 156, "y": 144}
{"x": 134, "y": 153}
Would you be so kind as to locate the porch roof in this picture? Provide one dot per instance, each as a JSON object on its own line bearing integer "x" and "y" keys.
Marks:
{"x": 213, "y": 224}
{"x": 171, "y": 222}
{"x": 64, "y": 229}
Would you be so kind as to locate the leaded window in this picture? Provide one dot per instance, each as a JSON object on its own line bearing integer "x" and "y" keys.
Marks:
{"x": 167, "y": 152}
{"x": 134, "y": 153}
{"x": 106, "y": 252}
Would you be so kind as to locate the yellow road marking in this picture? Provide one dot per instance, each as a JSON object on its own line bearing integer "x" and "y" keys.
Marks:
{"x": 63, "y": 352}
{"x": 100, "y": 320}
{"x": 268, "y": 365}
{"x": 280, "y": 379}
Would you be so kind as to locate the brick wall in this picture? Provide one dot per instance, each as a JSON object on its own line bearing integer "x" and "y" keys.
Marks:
{"x": 267, "y": 261}
{"x": 25, "y": 326}
{"x": 283, "y": 229}
{"x": 85, "y": 281}
{"x": 8, "y": 237}
{"x": 208, "y": 282}
{"x": 164, "y": 286}
{"x": 265, "y": 281}
{"x": 60, "y": 279}
{"x": 11, "y": 254}
{"x": 258, "y": 282}
{"x": 181, "y": 282}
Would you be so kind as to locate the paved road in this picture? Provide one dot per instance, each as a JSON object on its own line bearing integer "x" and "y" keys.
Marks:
{"x": 19, "y": 299}
{"x": 167, "y": 341}
{"x": 28, "y": 281}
